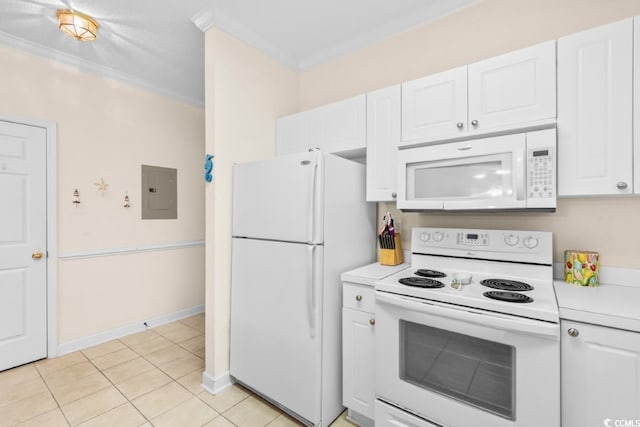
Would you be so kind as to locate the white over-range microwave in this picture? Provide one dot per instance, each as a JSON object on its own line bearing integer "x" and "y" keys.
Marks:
{"x": 516, "y": 171}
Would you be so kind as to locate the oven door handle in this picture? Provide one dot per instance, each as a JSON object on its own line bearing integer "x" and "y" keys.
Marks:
{"x": 477, "y": 317}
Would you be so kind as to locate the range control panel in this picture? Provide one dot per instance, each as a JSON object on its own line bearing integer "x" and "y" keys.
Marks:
{"x": 472, "y": 239}
{"x": 507, "y": 245}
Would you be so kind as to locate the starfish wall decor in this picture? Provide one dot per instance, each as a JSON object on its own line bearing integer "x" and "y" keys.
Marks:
{"x": 101, "y": 186}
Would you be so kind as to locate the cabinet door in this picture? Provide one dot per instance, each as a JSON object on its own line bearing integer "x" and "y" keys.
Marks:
{"x": 600, "y": 374}
{"x": 342, "y": 125}
{"x": 292, "y": 134}
{"x": 358, "y": 371}
{"x": 636, "y": 105}
{"x": 595, "y": 90}
{"x": 435, "y": 106}
{"x": 517, "y": 87}
{"x": 383, "y": 137}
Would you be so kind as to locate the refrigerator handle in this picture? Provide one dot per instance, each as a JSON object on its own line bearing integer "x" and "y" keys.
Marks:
{"x": 311, "y": 298}
{"x": 312, "y": 198}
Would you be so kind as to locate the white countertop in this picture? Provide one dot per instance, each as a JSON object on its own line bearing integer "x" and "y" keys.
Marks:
{"x": 369, "y": 274}
{"x": 615, "y": 306}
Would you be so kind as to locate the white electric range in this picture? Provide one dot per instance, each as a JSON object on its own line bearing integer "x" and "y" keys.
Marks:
{"x": 448, "y": 351}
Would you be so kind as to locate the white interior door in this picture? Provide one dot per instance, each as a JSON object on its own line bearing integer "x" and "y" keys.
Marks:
{"x": 23, "y": 260}
{"x": 275, "y": 327}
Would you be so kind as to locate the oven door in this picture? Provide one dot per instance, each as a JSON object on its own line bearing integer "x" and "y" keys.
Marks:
{"x": 452, "y": 364}
{"x": 479, "y": 174}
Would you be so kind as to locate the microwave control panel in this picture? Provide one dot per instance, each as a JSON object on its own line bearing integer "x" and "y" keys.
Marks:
{"x": 540, "y": 180}
{"x": 541, "y": 169}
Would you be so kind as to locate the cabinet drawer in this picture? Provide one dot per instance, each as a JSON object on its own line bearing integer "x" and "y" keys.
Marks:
{"x": 359, "y": 297}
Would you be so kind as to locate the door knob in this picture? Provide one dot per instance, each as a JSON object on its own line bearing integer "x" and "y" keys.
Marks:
{"x": 573, "y": 332}
{"x": 36, "y": 255}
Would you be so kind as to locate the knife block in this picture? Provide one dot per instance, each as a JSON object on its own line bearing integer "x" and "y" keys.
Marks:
{"x": 392, "y": 256}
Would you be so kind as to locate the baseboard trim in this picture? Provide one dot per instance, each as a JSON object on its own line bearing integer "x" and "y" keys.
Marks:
{"x": 215, "y": 385}
{"x": 123, "y": 331}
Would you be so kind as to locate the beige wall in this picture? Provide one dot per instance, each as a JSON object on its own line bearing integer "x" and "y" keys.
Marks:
{"x": 245, "y": 92}
{"x": 107, "y": 130}
{"x": 485, "y": 29}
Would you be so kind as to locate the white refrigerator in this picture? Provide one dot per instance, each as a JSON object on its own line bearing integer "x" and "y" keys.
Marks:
{"x": 299, "y": 221}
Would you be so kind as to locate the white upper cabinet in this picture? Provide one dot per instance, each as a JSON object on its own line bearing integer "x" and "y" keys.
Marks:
{"x": 595, "y": 100}
{"x": 435, "y": 105}
{"x": 339, "y": 127}
{"x": 293, "y": 134}
{"x": 508, "y": 92}
{"x": 517, "y": 87}
{"x": 383, "y": 137}
{"x": 636, "y": 104}
{"x": 342, "y": 125}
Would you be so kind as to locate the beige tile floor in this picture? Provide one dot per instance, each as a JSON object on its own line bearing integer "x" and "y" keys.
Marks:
{"x": 147, "y": 379}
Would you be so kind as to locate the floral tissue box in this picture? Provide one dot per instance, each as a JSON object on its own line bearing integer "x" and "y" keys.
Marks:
{"x": 581, "y": 267}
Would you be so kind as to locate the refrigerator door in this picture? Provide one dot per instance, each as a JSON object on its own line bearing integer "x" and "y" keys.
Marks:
{"x": 279, "y": 199}
{"x": 275, "y": 322}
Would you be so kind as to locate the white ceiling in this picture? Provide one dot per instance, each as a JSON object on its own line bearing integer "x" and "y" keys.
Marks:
{"x": 155, "y": 44}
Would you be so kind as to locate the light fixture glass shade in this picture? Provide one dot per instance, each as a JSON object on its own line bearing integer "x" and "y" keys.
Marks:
{"x": 77, "y": 25}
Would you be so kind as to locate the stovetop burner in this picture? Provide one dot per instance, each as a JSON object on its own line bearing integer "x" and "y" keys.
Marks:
{"x": 421, "y": 282}
{"x": 508, "y": 296}
{"x": 430, "y": 273}
{"x": 506, "y": 285}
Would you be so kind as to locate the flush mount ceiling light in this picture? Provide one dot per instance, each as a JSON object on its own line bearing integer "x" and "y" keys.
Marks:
{"x": 77, "y": 25}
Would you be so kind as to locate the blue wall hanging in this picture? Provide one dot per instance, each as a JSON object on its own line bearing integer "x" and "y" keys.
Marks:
{"x": 208, "y": 168}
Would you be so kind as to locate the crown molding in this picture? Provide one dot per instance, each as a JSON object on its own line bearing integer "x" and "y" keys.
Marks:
{"x": 17, "y": 43}
{"x": 383, "y": 32}
{"x": 213, "y": 17}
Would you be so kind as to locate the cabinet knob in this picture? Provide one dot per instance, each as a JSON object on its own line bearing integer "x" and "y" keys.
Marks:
{"x": 358, "y": 297}
{"x": 621, "y": 185}
{"x": 474, "y": 122}
{"x": 573, "y": 332}
{"x": 372, "y": 322}
{"x": 36, "y": 255}
{"x": 459, "y": 125}
{"x": 394, "y": 195}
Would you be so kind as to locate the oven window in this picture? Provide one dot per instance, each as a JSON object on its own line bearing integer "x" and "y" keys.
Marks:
{"x": 472, "y": 370}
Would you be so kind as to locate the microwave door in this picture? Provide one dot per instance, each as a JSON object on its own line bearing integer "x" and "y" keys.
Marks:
{"x": 494, "y": 181}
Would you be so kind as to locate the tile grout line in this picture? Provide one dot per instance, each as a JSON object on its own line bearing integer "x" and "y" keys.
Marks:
{"x": 85, "y": 358}
{"x": 46, "y": 384}
{"x": 115, "y": 387}
{"x": 152, "y": 364}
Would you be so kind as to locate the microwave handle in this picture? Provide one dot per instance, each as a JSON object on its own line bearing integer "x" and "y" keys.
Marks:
{"x": 521, "y": 173}
{"x": 469, "y": 315}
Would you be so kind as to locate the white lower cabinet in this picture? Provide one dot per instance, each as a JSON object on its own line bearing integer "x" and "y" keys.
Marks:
{"x": 600, "y": 375}
{"x": 358, "y": 352}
